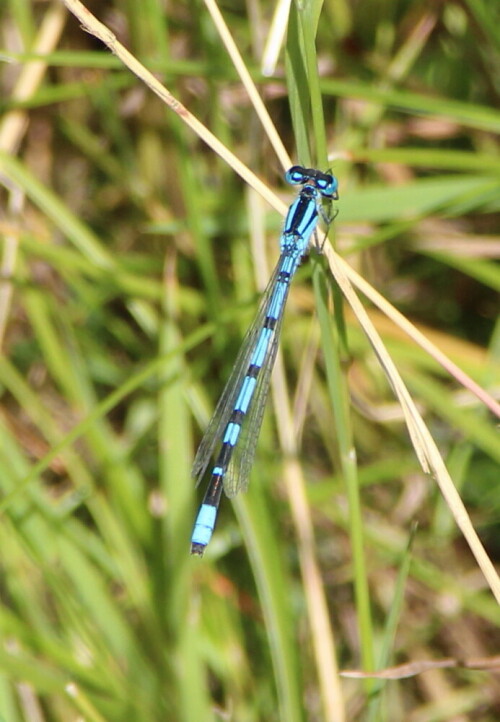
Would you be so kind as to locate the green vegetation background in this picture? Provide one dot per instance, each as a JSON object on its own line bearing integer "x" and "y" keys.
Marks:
{"x": 128, "y": 282}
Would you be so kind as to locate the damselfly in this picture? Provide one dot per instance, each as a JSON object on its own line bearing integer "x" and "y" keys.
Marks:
{"x": 233, "y": 431}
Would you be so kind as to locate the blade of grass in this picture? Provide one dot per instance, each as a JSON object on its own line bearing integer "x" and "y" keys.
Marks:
{"x": 344, "y": 438}
{"x": 268, "y": 567}
{"x": 323, "y": 641}
{"x": 308, "y": 17}
{"x": 175, "y": 450}
{"x": 374, "y": 713}
{"x": 466, "y": 114}
{"x": 300, "y": 62}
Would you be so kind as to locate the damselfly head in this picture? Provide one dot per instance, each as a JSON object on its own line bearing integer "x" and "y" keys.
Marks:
{"x": 326, "y": 183}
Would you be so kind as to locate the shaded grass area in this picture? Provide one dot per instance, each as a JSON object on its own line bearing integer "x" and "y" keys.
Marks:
{"x": 128, "y": 266}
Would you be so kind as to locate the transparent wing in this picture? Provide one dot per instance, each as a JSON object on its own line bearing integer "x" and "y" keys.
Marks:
{"x": 237, "y": 475}
{"x": 228, "y": 398}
